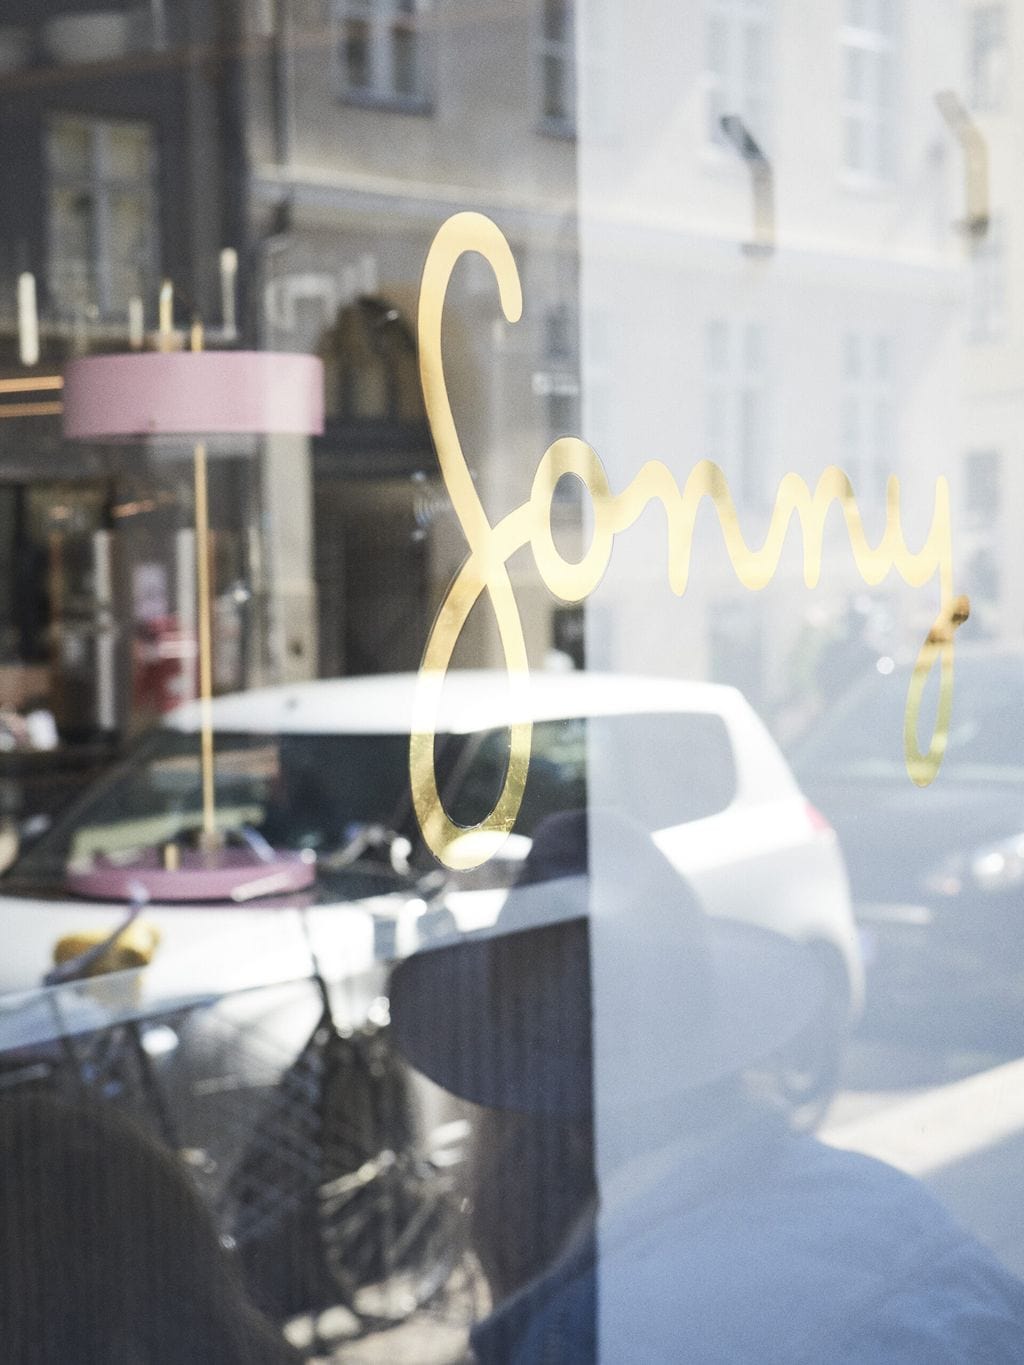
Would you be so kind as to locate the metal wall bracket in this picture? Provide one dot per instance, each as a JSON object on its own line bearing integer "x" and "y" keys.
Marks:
{"x": 762, "y": 183}
{"x": 975, "y": 149}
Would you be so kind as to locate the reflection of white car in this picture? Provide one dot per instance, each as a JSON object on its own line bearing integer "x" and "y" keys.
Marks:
{"x": 315, "y": 765}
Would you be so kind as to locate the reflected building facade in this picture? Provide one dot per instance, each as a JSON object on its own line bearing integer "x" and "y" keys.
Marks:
{"x": 284, "y": 166}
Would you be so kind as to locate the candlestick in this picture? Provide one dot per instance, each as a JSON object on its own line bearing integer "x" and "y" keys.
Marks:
{"x": 136, "y": 323}
{"x": 28, "y": 320}
{"x": 166, "y": 329}
{"x": 228, "y": 278}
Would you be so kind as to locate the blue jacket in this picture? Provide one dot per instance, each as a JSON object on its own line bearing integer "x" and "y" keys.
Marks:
{"x": 798, "y": 1253}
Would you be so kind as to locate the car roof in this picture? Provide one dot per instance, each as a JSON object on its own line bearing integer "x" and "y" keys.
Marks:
{"x": 472, "y": 699}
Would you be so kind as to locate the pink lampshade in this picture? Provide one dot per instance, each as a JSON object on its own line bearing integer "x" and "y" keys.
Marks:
{"x": 193, "y": 393}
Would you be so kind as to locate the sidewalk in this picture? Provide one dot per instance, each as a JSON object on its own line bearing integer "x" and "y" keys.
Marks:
{"x": 965, "y": 1140}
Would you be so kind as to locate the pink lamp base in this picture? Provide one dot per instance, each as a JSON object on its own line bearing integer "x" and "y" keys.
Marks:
{"x": 226, "y": 874}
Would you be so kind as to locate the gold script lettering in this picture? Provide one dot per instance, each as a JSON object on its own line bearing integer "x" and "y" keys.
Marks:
{"x": 484, "y": 569}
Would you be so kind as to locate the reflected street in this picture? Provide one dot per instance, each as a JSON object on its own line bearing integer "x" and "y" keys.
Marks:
{"x": 952, "y": 1117}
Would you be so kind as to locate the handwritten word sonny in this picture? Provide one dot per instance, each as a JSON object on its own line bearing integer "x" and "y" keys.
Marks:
{"x": 484, "y": 570}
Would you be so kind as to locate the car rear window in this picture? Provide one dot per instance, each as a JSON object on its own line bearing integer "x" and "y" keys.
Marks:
{"x": 679, "y": 766}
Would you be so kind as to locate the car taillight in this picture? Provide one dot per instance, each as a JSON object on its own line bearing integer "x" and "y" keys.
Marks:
{"x": 817, "y": 821}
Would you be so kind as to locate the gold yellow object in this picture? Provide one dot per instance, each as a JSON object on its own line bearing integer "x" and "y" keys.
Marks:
{"x": 210, "y": 837}
{"x": 135, "y": 946}
{"x": 484, "y": 569}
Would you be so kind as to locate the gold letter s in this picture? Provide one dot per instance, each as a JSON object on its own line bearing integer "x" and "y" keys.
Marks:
{"x": 484, "y": 569}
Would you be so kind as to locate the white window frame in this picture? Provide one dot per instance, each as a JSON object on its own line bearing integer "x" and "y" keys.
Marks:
{"x": 868, "y": 397}
{"x": 730, "y": 91}
{"x": 737, "y": 388}
{"x": 563, "y": 51}
{"x": 382, "y": 18}
{"x": 100, "y": 184}
{"x": 875, "y": 45}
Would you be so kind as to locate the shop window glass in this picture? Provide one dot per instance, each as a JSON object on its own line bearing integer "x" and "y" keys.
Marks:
{"x": 627, "y": 848}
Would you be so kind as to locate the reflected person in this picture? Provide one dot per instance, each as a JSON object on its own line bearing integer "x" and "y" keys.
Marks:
{"x": 108, "y": 1255}
{"x": 728, "y": 1236}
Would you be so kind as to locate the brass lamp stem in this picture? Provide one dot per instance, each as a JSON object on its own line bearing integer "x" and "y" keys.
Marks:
{"x": 205, "y": 646}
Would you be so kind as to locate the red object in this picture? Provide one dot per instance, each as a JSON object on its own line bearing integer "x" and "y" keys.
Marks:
{"x": 164, "y": 657}
{"x": 818, "y": 821}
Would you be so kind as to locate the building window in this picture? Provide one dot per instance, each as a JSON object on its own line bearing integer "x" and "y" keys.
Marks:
{"x": 983, "y": 479}
{"x": 737, "y": 40}
{"x": 379, "y": 48}
{"x": 987, "y": 53}
{"x": 869, "y": 39}
{"x": 986, "y": 320}
{"x": 557, "y": 59}
{"x": 736, "y": 406}
{"x": 868, "y": 437}
{"x": 557, "y": 384}
{"x": 101, "y": 202}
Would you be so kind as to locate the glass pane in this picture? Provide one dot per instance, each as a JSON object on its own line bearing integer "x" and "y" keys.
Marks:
{"x": 699, "y": 783}
{"x": 716, "y": 41}
{"x": 885, "y": 454}
{"x": 850, "y": 434}
{"x": 855, "y": 63}
{"x": 404, "y": 60}
{"x": 555, "y": 93}
{"x": 885, "y": 155}
{"x": 885, "y": 77}
{"x": 635, "y": 842}
{"x": 754, "y": 348}
{"x": 752, "y": 441}
{"x": 887, "y": 16}
{"x": 69, "y": 148}
{"x": 130, "y": 248}
{"x": 852, "y": 355}
{"x": 716, "y": 109}
{"x": 755, "y": 55}
{"x": 355, "y": 54}
{"x": 129, "y": 151}
{"x": 716, "y": 346}
{"x": 129, "y": 224}
{"x": 882, "y": 356}
{"x": 988, "y": 56}
{"x": 983, "y": 470}
{"x": 71, "y": 224}
{"x": 854, "y": 140}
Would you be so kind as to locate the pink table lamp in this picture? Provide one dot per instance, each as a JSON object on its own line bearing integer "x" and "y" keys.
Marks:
{"x": 195, "y": 394}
